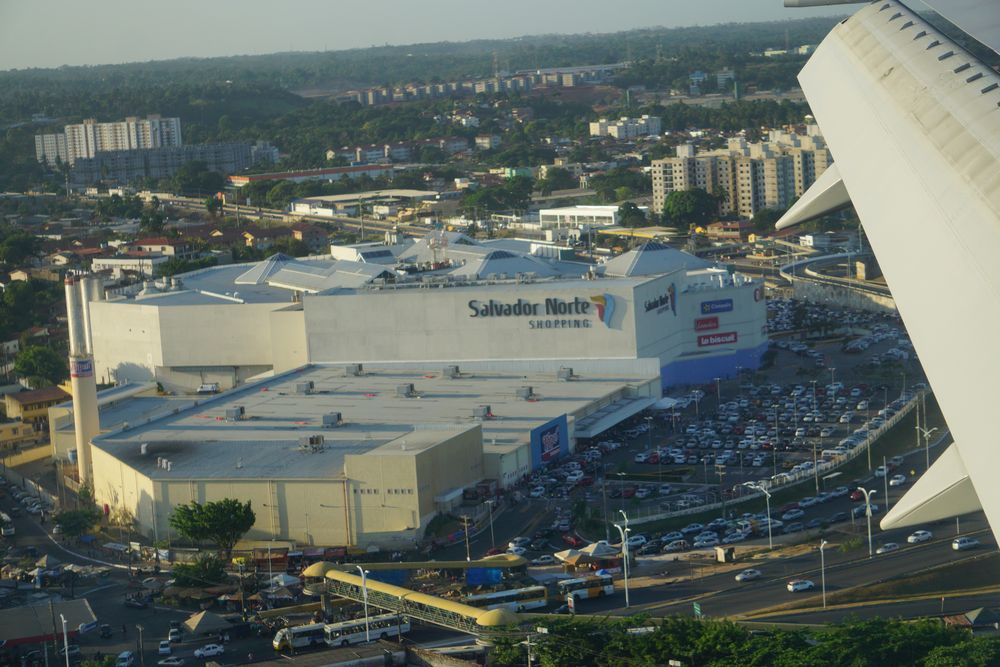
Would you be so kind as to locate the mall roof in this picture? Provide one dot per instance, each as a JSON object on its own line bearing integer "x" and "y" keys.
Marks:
{"x": 266, "y": 441}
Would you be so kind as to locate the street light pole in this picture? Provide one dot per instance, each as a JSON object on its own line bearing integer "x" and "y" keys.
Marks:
{"x": 885, "y": 480}
{"x": 832, "y": 370}
{"x": 718, "y": 390}
{"x": 767, "y": 501}
{"x": 493, "y": 541}
{"x": 927, "y": 439}
{"x": 604, "y": 495}
{"x": 364, "y": 594}
{"x": 822, "y": 569}
{"x": 623, "y": 531}
{"x": 868, "y": 513}
{"x": 65, "y": 639}
{"x": 142, "y": 656}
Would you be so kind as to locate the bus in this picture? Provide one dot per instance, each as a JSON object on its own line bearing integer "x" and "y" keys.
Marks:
{"x": 383, "y": 626}
{"x": 587, "y": 587}
{"x": 515, "y": 599}
{"x": 299, "y": 636}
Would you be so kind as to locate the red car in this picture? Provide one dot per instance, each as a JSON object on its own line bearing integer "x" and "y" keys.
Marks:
{"x": 653, "y": 458}
{"x": 628, "y": 492}
{"x": 586, "y": 480}
{"x": 857, "y": 496}
{"x": 574, "y": 541}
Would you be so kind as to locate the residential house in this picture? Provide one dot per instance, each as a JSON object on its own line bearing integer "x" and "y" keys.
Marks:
{"x": 32, "y": 407}
{"x": 313, "y": 236}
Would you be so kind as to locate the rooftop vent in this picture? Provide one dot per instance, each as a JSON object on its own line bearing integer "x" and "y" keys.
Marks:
{"x": 311, "y": 443}
{"x": 144, "y": 448}
{"x": 451, "y": 372}
{"x": 406, "y": 390}
{"x": 525, "y": 393}
{"x": 236, "y": 414}
{"x": 332, "y": 420}
{"x": 354, "y": 369}
{"x": 564, "y": 374}
{"x": 306, "y": 387}
{"x": 482, "y": 412}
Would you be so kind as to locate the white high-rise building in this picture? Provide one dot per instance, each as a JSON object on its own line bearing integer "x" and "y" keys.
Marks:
{"x": 86, "y": 139}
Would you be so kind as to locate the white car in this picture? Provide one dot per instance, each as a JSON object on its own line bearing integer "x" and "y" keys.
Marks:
{"x": 544, "y": 559}
{"x": 636, "y": 541}
{"x": 880, "y": 471}
{"x": 517, "y": 551}
{"x": 797, "y": 585}
{"x": 664, "y": 490}
{"x": 919, "y": 536}
{"x": 164, "y": 648}
{"x": 643, "y": 492}
{"x": 748, "y": 575}
{"x": 792, "y": 515}
{"x": 897, "y": 480}
{"x": 171, "y": 662}
{"x": 888, "y": 547}
{"x": 707, "y": 542}
{"x": 537, "y": 492}
{"x": 209, "y": 650}
{"x": 519, "y": 542}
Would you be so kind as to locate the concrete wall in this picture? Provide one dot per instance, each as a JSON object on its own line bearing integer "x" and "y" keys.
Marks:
{"x": 288, "y": 340}
{"x": 842, "y": 296}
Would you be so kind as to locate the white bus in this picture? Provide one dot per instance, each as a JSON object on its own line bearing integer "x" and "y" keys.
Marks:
{"x": 383, "y": 626}
{"x": 299, "y": 636}
{"x": 587, "y": 587}
{"x": 515, "y": 599}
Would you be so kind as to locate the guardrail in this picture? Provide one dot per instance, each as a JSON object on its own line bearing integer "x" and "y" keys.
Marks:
{"x": 792, "y": 479}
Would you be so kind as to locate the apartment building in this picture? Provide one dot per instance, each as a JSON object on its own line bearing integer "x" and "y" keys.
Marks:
{"x": 626, "y": 128}
{"x": 746, "y": 176}
{"x": 87, "y": 139}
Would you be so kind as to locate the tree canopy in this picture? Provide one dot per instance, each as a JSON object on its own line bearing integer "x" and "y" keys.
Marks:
{"x": 222, "y": 522}
{"x": 690, "y": 207}
{"x": 716, "y": 643}
{"x": 42, "y": 365}
{"x": 630, "y": 215}
{"x": 75, "y": 523}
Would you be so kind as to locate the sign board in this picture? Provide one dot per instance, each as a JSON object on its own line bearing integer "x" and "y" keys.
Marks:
{"x": 549, "y": 442}
{"x": 728, "y": 338}
{"x": 571, "y": 603}
{"x": 706, "y": 323}
{"x": 697, "y": 610}
{"x": 716, "y": 306}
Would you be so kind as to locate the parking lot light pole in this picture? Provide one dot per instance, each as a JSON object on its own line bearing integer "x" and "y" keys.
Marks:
{"x": 822, "y": 569}
{"x": 65, "y": 639}
{"x": 767, "y": 502}
{"x": 364, "y": 594}
{"x": 832, "y": 371}
{"x": 718, "y": 390}
{"x": 868, "y": 513}
{"x": 623, "y": 531}
{"x": 493, "y": 541}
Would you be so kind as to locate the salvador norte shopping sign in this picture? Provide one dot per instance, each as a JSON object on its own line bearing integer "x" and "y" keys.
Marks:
{"x": 550, "y": 313}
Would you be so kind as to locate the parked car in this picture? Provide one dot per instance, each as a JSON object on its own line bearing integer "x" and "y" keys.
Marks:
{"x": 125, "y": 659}
{"x": 963, "y": 543}
{"x": 517, "y": 551}
{"x": 173, "y": 661}
{"x": 174, "y": 635}
{"x": 209, "y": 650}
{"x": 544, "y": 559}
{"x": 574, "y": 541}
{"x": 897, "y": 480}
{"x": 164, "y": 648}
{"x": 519, "y": 542}
{"x": 798, "y": 585}
{"x": 791, "y": 515}
{"x": 748, "y": 575}
{"x": 73, "y": 651}
{"x": 919, "y": 536}
{"x": 676, "y": 545}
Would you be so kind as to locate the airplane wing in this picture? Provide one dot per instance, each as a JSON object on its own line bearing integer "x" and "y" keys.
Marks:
{"x": 913, "y": 121}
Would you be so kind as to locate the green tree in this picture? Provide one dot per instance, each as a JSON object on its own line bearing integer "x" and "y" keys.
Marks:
{"x": 556, "y": 178}
{"x": 221, "y": 522}
{"x": 41, "y": 364}
{"x": 206, "y": 570}
{"x": 75, "y": 523}
{"x": 18, "y": 247}
{"x": 765, "y": 218}
{"x": 690, "y": 207}
{"x": 630, "y": 215}
{"x": 213, "y": 205}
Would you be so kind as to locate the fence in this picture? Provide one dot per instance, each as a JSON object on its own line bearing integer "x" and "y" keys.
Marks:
{"x": 788, "y": 480}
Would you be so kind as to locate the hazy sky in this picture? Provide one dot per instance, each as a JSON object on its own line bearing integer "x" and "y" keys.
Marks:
{"x": 49, "y": 33}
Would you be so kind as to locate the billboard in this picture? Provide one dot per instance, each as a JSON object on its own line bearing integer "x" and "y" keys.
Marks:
{"x": 706, "y": 323}
{"x": 728, "y": 338}
{"x": 716, "y": 306}
{"x": 549, "y": 442}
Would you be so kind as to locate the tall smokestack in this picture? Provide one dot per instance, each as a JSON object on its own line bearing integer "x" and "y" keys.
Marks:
{"x": 86, "y": 423}
{"x": 91, "y": 289}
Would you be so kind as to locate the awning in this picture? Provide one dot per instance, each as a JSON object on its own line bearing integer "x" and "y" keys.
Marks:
{"x": 611, "y": 415}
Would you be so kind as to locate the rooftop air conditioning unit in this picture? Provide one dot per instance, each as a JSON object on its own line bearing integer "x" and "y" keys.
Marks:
{"x": 312, "y": 443}
{"x": 236, "y": 413}
{"x": 304, "y": 387}
{"x": 406, "y": 390}
{"x": 451, "y": 372}
{"x": 354, "y": 369}
{"x": 482, "y": 412}
{"x": 332, "y": 420}
{"x": 564, "y": 374}
{"x": 524, "y": 393}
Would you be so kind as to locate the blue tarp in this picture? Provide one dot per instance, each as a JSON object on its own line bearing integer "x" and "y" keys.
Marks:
{"x": 87, "y": 539}
{"x": 483, "y": 576}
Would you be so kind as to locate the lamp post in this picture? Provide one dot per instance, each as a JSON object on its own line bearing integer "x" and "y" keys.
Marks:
{"x": 493, "y": 541}
{"x": 364, "y": 595}
{"x": 756, "y": 486}
{"x": 832, "y": 371}
{"x": 868, "y": 513}
{"x": 885, "y": 480}
{"x": 623, "y": 531}
{"x": 142, "y": 657}
{"x": 621, "y": 476}
{"x": 720, "y": 470}
{"x": 604, "y": 496}
{"x": 718, "y": 390}
{"x": 822, "y": 569}
{"x": 65, "y": 639}
{"x": 927, "y": 439}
